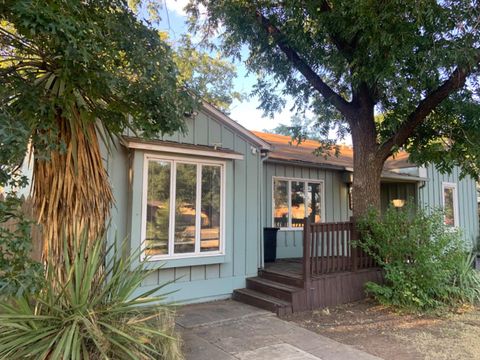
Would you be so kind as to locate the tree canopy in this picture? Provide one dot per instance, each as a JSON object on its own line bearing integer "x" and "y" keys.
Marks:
{"x": 414, "y": 62}
{"x": 210, "y": 76}
{"x": 98, "y": 58}
{"x": 74, "y": 70}
{"x": 93, "y": 56}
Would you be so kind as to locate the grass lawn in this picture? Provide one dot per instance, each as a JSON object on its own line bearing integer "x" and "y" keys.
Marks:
{"x": 379, "y": 331}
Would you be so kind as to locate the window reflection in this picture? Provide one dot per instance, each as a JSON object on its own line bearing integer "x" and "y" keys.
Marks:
{"x": 298, "y": 203}
{"x": 185, "y": 204}
{"x": 314, "y": 202}
{"x": 158, "y": 208}
{"x": 448, "y": 206}
{"x": 293, "y": 200}
{"x": 280, "y": 212}
{"x": 178, "y": 218}
{"x": 210, "y": 209}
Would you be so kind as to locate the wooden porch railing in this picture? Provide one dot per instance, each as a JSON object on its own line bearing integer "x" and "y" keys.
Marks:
{"x": 327, "y": 248}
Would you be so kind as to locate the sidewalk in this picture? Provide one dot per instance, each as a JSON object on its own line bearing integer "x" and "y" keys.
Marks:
{"x": 229, "y": 330}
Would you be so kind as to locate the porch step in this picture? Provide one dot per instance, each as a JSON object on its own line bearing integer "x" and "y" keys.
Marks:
{"x": 273, "y": 288}
{"x": 281, "y": 277}
{"x": 264, "y": 301}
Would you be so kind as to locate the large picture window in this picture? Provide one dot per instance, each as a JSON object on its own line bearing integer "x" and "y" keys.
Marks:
{"x": 450, "y": 204}
{"x": 295, "y": 199}
{"x": 183, "y": 207}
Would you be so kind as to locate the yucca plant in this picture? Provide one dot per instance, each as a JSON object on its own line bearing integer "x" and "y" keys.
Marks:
{"x": 466, "y": 280}
{"x": 95, "y": 314}
{"x": 71, "y": 73}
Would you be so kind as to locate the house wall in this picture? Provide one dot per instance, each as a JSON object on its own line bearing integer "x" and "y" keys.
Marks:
{"x": 390, "y": 191}
{"x": 430, "y": 196}
{"x": 289, "y": 242}
{"x": 204, "y": 280}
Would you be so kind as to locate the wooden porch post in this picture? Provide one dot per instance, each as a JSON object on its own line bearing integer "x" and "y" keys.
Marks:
{"x": 307, "y": 259}
{"x": 353, "y": 250}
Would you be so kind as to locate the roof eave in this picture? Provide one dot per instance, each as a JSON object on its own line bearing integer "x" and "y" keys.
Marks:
{"x": 403, "y": 177}
{"x": 179, "y": 148}
{"x": 306, "y": 164}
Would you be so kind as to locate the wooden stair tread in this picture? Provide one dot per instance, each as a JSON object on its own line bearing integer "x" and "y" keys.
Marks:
{"x": 275, "y": 284}
{"x": 281, "y": 278}
{"x": 263, "y": 301}
{"x": 283, "y": 273}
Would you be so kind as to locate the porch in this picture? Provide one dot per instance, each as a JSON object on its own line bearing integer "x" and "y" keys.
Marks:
{"x": 331, "y": 272}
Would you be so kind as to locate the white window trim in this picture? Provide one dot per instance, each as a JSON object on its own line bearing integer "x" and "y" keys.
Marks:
{"x": 450, "y": 185}
{"x": 290, "y": 179}
{"x": 179, "y": 150}
{"x": 184, "y": 160}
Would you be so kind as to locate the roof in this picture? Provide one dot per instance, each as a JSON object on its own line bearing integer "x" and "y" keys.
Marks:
{"x": 284, "y": 149}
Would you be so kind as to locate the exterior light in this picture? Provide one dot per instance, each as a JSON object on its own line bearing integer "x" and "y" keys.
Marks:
{"x": 347, "y": 177}
{"x": 398, "y": 203}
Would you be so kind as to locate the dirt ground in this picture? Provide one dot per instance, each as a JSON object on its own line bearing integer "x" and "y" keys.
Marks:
{"x": 389, "y": 335}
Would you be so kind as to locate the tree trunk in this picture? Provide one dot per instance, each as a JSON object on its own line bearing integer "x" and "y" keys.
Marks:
{"x": 367, "y": 168}
{"x": 366, "y": 182}
{"x": 71, "y": 191}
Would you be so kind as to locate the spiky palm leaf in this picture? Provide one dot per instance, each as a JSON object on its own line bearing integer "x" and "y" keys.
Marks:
{"x": 94, "y": 314}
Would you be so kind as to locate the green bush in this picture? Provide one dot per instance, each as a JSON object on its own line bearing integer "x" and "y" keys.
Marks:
{"x": 427, "y": 265}
{"x": 19, "y": 273}
{"x": 94, "y": 314}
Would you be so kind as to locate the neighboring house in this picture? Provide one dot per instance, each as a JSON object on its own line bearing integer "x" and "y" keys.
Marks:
{"x": 198, "y": 202}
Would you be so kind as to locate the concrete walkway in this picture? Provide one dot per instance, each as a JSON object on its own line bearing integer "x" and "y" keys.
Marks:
{"x": 227, "y": 330}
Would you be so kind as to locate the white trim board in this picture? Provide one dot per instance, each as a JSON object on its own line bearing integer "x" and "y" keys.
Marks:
{"x": 192, "y": 150}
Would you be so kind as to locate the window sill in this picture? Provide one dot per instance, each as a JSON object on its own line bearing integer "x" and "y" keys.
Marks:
{"x": 291, "y": 229}
{"x": 194, "y": 260}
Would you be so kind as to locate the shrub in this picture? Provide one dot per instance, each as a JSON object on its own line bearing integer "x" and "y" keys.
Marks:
{"x": 94, "y": 314}
{"x": 19, "y": 273}
{"x": 426, "y": 264}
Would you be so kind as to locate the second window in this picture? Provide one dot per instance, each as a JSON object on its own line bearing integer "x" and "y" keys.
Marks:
{"x": 295, "y": 199}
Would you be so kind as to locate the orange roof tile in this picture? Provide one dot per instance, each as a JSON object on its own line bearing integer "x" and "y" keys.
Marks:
{"x": 283, "y": 148}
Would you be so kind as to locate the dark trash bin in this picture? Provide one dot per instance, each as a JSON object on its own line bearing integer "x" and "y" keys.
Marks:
{"x": 270, "y": 244}
{"x": 476, "y": 263}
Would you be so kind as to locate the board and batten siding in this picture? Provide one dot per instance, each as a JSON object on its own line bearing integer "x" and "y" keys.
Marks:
{"x": 242, "y": 213}
{"x": 289, "y": 242}
{"x": 390, "y": 191}
{"x": 430, "y": 196}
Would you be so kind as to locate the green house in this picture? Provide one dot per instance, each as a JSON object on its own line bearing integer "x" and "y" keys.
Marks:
{"x": 197, "y": 203}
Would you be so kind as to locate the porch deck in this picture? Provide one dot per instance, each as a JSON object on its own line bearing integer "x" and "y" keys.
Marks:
{"x": 325, "y": 289}
{"x": 294, "y": 267}
{"x": 286, "y": 267}
{"x": 331, "y": 272}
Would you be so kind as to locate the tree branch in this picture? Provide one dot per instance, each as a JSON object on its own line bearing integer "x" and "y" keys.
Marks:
{"x": 343, "y": 46}
{"x": 312, "y": 77}
{"x": 363, "y": 95}
{"x": 425, "y": 107}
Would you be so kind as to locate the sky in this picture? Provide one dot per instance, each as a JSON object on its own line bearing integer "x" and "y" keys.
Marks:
{"x": 245, "y": 112}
